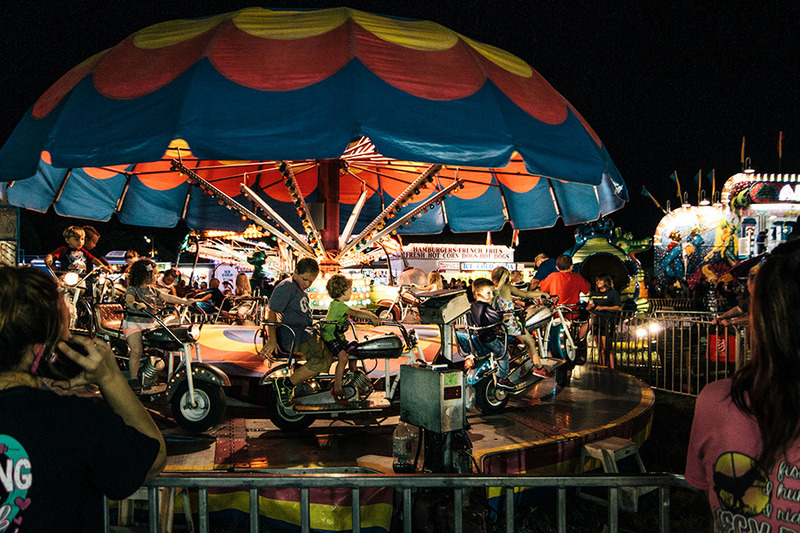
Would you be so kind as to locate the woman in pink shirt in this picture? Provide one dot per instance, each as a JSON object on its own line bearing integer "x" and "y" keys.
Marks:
{"x": 744, "y": 450}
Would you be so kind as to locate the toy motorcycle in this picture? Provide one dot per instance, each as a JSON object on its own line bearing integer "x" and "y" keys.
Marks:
{"x": 483, "y": 389}
{"x": 192, "y": 389}
{"x": 554, "y": 328}
{"x": 368, "y": 390}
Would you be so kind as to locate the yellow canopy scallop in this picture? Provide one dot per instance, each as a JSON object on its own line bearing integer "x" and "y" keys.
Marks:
{"x": 175, "y": 31}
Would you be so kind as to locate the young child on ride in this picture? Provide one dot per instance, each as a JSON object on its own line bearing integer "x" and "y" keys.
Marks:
{"x": 73, "y": 257}
{"x": 243, "y": 305}
{"x": 482, "y": 313}
{"x": 340, "y": 289}
{"x": 504, "y": 302}
{"x": 142, "y": 294}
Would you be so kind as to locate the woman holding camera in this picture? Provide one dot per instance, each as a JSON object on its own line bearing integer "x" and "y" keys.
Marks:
{"x": 59, "y": 454}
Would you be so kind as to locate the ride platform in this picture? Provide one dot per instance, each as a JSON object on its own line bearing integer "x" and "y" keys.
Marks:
{"x": 538, "y": 433}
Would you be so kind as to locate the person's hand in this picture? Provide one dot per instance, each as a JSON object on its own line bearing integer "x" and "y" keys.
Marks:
{"x": 270, "y": 346}
{"x": 375, "y": 320}
{"x": 99, "y": 366}
{"x": 590, "y": 305}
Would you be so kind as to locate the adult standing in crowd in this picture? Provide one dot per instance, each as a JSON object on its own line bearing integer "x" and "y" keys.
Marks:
{"x": 65, "y": 452}
{"x": 744, "y": 448}
{"x": 604, "y": 305}
{"x": 544, "y": 267}
{"x": 565, "y": 283}
{"x": 739, "y": 314}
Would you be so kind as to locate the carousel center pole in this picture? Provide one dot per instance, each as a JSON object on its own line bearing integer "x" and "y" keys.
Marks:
{"x": 329, "y": 196}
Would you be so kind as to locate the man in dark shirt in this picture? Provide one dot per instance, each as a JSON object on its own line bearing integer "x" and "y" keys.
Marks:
{"x": 544, "y": 267}
{"x": 290, "y": 302}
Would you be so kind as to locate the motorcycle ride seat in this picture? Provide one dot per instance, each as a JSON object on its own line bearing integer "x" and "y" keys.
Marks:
{"x": 388, "y": 346}
{"x": 539, "y": 316}
{"x": 108, "y": 317}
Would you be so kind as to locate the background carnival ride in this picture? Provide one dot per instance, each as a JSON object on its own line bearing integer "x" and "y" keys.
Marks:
{"x": 600, "y": 248}
{"x": 756, "y": 212}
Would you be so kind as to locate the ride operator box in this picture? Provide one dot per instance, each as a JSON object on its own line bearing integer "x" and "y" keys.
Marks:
{"x": 432, "y": 399}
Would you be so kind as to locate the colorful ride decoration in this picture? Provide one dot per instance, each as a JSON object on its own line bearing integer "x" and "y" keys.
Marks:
{"x": 694, "y": 244}
{"x": 766, "y": 207}
{"x": 305, "y": 122}
{"x": 600, "y": 248}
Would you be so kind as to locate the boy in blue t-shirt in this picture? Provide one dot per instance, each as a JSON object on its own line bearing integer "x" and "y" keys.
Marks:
{"x": 340, "y": 289}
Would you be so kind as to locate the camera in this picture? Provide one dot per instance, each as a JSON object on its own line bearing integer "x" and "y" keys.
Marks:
{"x": 57, "y": 366}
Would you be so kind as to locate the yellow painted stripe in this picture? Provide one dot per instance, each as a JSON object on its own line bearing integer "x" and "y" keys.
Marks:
{"x": 328, "y": 517}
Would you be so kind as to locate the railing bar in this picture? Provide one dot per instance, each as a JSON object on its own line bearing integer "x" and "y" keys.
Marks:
{"x": 107, "y": 515}
{"x": 407, "y": 521}
{"x": 509, "y": 492}
{"x": 202, "y": 509}
{"x": 356, "y": 510}
{"x": 663, "y": 509}
{"x": 458, "y": 504}
{"x": 254, "y": 513}
{"x": 153, "y": 508}
{"x": 613, "y": 509}
{"x": 305, "y": 511}
{"x": 562, "y": 509}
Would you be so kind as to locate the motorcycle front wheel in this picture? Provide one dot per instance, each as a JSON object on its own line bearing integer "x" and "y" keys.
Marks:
{"x": 209, "y": 408}
{"x": 489, "y": 399}
{"x": 286, "y": 419}
{"x": 561, "y": 348}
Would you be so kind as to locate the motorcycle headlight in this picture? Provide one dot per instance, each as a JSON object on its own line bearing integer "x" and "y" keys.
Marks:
{"x": 194, "y": 332}
{"x": 71, "y": 278}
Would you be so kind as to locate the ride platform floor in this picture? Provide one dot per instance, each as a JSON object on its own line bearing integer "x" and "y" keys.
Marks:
{"x": 539, "y": 433}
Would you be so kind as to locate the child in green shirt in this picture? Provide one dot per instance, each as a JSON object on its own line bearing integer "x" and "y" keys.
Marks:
{"x": 340, "y": 290}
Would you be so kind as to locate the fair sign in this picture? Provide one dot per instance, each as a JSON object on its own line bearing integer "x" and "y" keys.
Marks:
{"x": 226, "y": 274}
{"x": 460, "y": 253}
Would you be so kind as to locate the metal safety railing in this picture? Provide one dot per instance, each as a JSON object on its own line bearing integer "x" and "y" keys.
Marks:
{"x": 405, "y": 486}
{"x": 676, "y": 351}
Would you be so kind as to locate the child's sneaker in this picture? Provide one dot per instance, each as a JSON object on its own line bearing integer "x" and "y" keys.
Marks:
{"x": 284, "y": 388}
{"x": 505, "y": 383}
{"x": 541, "y": 372}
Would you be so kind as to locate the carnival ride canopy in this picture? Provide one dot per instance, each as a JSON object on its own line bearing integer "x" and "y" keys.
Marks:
{"x": 372, "y": 116}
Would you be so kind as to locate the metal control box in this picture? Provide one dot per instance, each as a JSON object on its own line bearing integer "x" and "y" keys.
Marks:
{"x": 443, "y": 309}
{"x": 432, "y": 399}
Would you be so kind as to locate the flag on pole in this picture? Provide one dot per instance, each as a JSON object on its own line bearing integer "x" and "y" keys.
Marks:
{"x": 698, "y": 179}
{"x": 515, "y": 238}
{"x": 645, "y": 192}
{"x": 742, "y": 150}
{"x": 780, "y": 144}
{"x": 488, "y": 238}
{"x": 674, "y": 177}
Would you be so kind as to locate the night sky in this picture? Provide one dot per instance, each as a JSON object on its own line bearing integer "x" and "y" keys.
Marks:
{"x": 668, "y": 86}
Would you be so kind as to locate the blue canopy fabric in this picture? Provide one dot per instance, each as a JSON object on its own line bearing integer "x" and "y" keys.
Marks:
{"x": 242, "y": 91}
